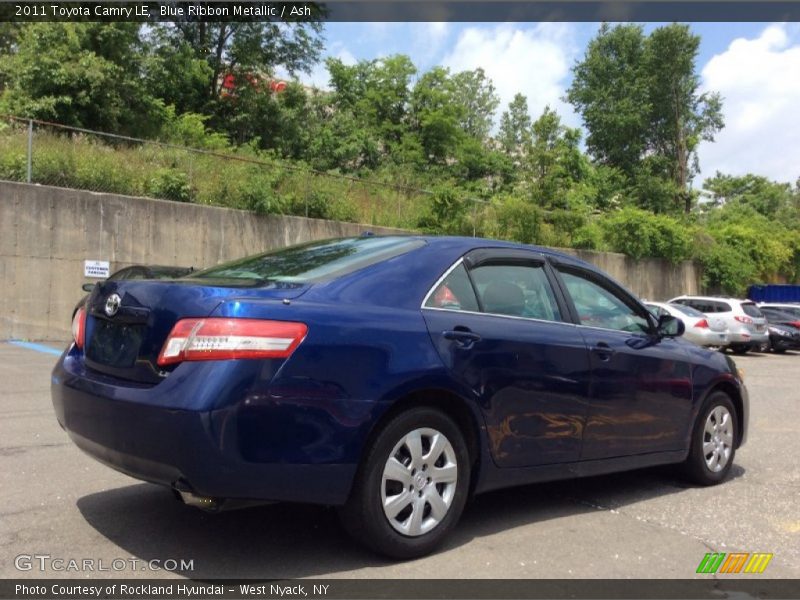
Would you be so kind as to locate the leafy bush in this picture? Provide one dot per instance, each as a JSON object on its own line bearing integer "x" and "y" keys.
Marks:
{"x": 448, "y": 212}
{"x": 518, "y": 220}
{"x": 170, "y": 184}
{"x": 13, "y": 167}
{"x": 323, "y": 205}
{"x": 727, "y": 270}
{"x": 589, "y": 237}
{"x": 641, "y": 234}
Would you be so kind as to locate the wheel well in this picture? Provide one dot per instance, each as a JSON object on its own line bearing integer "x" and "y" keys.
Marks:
{"x": 450, "y": 404}
{"x": 733, "y": 393}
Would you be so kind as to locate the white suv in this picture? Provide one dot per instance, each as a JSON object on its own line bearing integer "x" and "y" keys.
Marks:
{"x": 747, "y": 327}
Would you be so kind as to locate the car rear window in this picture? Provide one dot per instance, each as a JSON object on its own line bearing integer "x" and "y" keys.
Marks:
{"x": 751, "y": 310}
{"x": 315, "y": 261}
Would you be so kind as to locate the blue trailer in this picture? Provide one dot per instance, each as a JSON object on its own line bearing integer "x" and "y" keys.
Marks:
{"x": 774, "y": 293}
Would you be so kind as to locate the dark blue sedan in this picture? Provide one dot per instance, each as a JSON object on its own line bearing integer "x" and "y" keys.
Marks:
{"x": 392, "y": 377}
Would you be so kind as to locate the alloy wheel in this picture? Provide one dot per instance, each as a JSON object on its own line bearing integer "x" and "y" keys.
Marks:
{"x": 419, "y": 482}
{"x": 718, "y": 439}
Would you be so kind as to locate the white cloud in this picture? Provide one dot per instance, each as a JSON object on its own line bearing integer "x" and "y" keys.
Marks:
{"x": 759, "y": 80}
{"x": 534, "y": 60}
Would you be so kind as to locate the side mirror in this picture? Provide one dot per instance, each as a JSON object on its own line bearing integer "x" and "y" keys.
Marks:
{"x": 670, "y": 327}
{"x": 88, "y": 287}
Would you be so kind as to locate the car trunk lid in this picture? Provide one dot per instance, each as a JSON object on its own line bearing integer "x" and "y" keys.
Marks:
{"x": 129, "y": 321}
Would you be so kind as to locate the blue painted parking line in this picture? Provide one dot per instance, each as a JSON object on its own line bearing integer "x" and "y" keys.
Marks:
{"x": 36, "y": 347}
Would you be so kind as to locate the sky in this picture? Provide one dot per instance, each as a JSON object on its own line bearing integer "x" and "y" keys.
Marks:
{"x": 754, "y": 66}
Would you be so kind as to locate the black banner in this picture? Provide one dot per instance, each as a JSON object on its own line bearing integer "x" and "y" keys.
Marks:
{"x": 405, "y": 10}
{"x": 395, "y": 589}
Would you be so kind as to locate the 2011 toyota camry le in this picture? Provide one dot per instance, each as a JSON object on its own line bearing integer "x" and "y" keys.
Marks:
{"x": 392, "y": 377}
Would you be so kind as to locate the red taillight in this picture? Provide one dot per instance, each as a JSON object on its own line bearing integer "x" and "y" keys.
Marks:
{"x": 702, "y": 323}
{"x": 225, "y": 339}
{"x": 795, "y": 324}
{"x": 79, "y": 327}
{"x": 745, "y": 320}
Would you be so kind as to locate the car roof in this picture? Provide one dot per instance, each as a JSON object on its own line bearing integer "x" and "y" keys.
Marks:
{"x": 473, "y": 243}
{"x": 422, "y": 267}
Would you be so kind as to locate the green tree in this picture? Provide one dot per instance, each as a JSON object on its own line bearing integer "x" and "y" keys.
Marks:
{"x": 82, "y": 74}
{"x": 553, "y": 160}
{"x": 639, "y": 97}
{"x": 765, "y": 196}
{"x": 681, "y": 117}
{"x": 475, "y": 92}
{"x": 515, "y": 125}
{"x": 436, "y": 116}
{"x": 175, "y": 74}
{"x": 375, "y": 91}
{"x": 251, "y": 48}
{"x": 610, "y": 91}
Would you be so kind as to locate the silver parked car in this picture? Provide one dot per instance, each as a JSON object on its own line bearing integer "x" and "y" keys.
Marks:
{"x": 700, "y": 329}
{"x": 747, "y": 327}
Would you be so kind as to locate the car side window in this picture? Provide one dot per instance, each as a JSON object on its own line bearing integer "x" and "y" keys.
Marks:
{"x": 455, "y": 292}
{"x": 600, "y": 307}
{"x": 516, "y": 291}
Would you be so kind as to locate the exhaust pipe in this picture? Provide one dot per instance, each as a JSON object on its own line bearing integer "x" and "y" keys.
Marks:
{"x": 184, "y": 492}
{"x": 202, "y": 502}
{"x": 187, "y": 495}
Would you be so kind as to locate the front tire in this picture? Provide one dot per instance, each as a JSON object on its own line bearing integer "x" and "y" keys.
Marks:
{"x": 412, "y": 485}
{"x": 714, "y": 441}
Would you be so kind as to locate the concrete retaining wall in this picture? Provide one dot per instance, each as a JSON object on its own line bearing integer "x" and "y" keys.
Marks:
{"x": 46, "y": 233}
{"x": 649, "y": 278}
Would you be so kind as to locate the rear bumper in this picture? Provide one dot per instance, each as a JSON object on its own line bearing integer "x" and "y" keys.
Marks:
{"x": 707, "y": 337}
{"x": 747, "y": 339}
{"x": 211, "y": 452}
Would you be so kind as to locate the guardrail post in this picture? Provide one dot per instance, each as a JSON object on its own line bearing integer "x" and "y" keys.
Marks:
{"x": 30, "y": 149}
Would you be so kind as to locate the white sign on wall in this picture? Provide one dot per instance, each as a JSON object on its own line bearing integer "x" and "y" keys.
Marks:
{"x": 98, "y": 269}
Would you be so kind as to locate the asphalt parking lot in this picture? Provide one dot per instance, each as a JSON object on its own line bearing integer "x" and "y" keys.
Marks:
{"x": 647, "y": 524}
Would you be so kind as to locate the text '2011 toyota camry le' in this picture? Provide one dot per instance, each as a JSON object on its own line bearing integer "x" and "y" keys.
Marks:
{"x": 392, "y": 377}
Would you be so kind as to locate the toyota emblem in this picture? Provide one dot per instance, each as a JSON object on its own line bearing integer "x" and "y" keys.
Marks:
{"x": 112, "y": 304}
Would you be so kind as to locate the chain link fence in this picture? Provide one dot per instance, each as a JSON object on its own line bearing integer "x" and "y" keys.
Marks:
{"x": 35, "y": 151}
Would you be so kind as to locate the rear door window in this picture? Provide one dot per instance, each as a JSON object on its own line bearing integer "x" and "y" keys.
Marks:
{"x": 516, "y": 290}
{"x": 698, "y": 305}
{"x": 688, "y": 311}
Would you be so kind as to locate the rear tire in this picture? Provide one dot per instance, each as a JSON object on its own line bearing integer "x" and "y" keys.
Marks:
{"x": 411, "y": 487}
{"x": 714, "y": 441}
{"x": 740, "y": 350}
